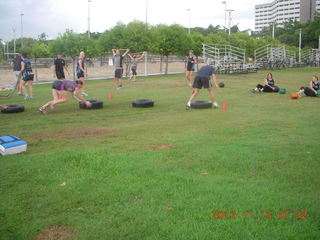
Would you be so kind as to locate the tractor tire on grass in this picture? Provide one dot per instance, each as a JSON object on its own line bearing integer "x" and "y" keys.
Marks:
{"x": 95, "y": 104}
{"x": 13, "y": 108}
{"x": 199, "y": 104}
{"x": 143, "y": 103}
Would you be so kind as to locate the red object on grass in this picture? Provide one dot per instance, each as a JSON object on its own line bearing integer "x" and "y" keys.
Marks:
{"x": 110, "y": 95}
{"x": 294, "y": 96}
{"x": 224, "y": 106}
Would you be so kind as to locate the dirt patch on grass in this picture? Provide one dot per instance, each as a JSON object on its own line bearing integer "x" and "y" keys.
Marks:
{"x": 77, "y": 133}
{"x": 56, "y": 233}
{"x": 159, "y": 146}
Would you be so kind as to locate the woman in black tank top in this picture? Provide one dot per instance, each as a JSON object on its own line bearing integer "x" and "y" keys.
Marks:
{"x": 268, "y": 87}
{"x": 313, "y": 90}
{"x": 191, "y": 61}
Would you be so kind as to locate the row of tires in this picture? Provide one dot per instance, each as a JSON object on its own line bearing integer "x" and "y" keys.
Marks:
{"x": 97, "y": 104}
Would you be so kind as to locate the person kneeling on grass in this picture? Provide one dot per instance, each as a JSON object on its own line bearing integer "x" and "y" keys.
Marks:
{"x": 59, "y": 93}
{"x": 203, "y": 79}
{"x": 268, "y": 87}
{"x": 313, "y": 90}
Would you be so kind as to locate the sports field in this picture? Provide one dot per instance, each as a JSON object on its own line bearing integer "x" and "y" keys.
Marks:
{"x": 250, "y": 172}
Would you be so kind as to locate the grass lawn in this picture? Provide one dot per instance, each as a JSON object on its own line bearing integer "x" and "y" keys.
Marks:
{"x": 164, "y": 172}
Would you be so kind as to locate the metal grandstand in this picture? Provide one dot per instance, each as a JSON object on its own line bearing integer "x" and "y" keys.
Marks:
{"x": 227, "y": 58}
{"x": 274, "y": 57}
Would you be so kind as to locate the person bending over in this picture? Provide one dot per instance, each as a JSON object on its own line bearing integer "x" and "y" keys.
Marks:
{"x": 203, "y": 79}
{"x": 59, "y": 93}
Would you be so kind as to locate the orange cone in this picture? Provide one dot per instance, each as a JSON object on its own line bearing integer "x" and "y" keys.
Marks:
{"x": 110, "y": 95}
{"x": 224, "y": 106}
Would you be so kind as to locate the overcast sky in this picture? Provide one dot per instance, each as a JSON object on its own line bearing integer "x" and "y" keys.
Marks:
{"x": 54, "y": 16}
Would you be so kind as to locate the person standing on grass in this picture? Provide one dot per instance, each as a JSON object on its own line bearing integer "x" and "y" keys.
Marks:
{"x": 118, "y": 58}
{"x": 16, "y": 65}
{"x": 134, "y": 65}
{"x": 81, "y": 72}
{"x": 59, "y": 93}
{"x": 268, "y": 87}
{"x": 312, "y": 90}
{"x": 191, "y": 63}
{"x": 59, "y": 67}
{"x": 27, "y": 76}
{"x": 204, "y": 76}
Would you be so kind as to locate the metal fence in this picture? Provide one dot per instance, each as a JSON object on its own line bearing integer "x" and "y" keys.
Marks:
{"x": 98, "y": 68}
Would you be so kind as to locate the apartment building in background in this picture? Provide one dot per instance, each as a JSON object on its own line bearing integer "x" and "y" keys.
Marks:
{"x": 281, "y": 11}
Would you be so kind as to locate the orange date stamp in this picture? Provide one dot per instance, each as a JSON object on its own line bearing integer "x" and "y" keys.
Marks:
{"x": 280, "y": 215}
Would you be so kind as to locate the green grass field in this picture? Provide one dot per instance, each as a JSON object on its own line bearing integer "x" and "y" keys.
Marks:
{"x": 161, "y": 173}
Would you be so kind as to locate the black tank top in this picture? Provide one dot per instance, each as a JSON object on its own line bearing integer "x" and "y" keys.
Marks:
{"x": 316, "y": 86}
{"x": 190, "y": 62}
{"x": 270, "y": 82}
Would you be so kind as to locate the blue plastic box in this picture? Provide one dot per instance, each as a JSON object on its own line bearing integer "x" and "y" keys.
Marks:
{"x": 12, "y": 145}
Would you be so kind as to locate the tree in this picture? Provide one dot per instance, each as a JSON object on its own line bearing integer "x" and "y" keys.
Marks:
{"x": 167, "y": 40}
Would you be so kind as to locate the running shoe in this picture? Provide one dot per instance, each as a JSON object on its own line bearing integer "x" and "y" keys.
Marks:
{"x": 42, "y": 110}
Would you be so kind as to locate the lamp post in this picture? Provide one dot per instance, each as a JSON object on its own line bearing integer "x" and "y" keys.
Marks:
{"x": 21, "y": 15}
{"x": 14, "y": 39}
{"x": 189, "y": 10}
{"x": 225, "y": 15}
{"x": 300, "y": 43}
{"x": 229, "y": 11}
{"x": 146, "y": 12}
{"x": 273, "y": 30}
{"x": 89, "y": 1}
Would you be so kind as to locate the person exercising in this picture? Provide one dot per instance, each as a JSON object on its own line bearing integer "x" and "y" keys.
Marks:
{"x": 191, "y": 61}
{"x": 203, "y": 79}
{"x": 118, "y": 58}
{"x": 134, "y": 65}
{"x": 312, "y": 90}
{"x": 59, "y": 67}
{"x": 59, "y": 93}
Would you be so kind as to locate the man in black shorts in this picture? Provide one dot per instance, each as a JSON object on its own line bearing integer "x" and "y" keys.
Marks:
{"x": 203, "y": 79}
{"x": 59, "y": 67}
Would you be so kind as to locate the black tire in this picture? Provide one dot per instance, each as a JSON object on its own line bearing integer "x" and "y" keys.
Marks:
{"x": 95, "y": 104}
{"x": 201, "y": 104}
{"x": 13, "y": 108}
{"x": 221, "y": 84}
{"x": 143, "y": 103}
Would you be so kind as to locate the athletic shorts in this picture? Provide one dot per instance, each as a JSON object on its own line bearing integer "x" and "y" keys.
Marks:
{"x": 134, "y": 71}
{"x": 28, "y": 78}
{"x": 57, "y": 85}
{"x": 308, "y": 92}
{"x": 60, "y": 75}
{"x": 200, "y": 82}
{"x": 118, "y": 73}
{"x": 80, "y": 75}
{"x": 190, "y": 68}
{"x": 17, "y": 76}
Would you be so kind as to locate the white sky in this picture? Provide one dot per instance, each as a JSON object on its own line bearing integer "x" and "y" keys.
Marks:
{"x": 54, "y": 16}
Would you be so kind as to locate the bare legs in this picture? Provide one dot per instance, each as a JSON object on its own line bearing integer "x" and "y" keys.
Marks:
{"x": 58, "y": 98}
{"x": 189, "y": 77}
{"x": 23, "y": 87}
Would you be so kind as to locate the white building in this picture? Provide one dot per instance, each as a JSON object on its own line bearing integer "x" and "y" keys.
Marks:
{"x": 281, "y": 11}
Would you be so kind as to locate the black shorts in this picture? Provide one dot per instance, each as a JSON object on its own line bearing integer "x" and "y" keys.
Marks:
{"x": 80, "y": 75}
{"x": 60, "y": 75}
{"x": 200, "y": 82}
{"x": 134, "y": 71}
{"x": 190, "y": 68}
{"x": 118, "y": 73}
{"x": 57, "y": 85}
{"x": 308, "y": 92}
{"x": 28, "y": 78}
